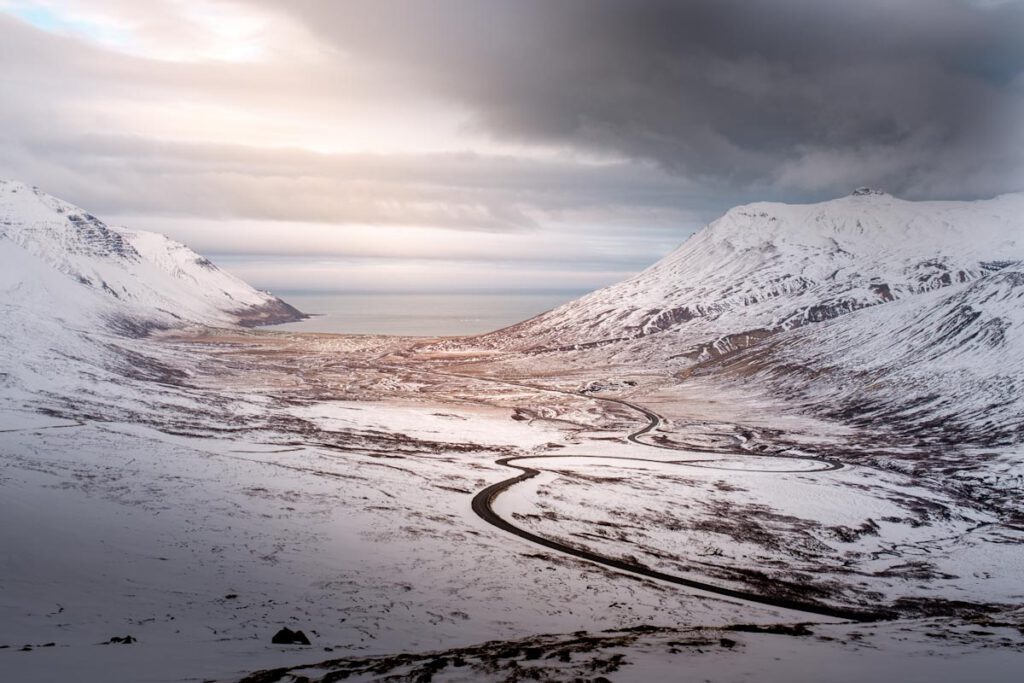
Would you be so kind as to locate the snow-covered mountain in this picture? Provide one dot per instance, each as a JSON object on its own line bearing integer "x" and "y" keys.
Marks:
{"x": 948, "y": 364}
{"x": 868, "y": 308}
{"x": 74, "y": 291}
{"x": 127, "y": 278}
{"x": 767, "y": 267}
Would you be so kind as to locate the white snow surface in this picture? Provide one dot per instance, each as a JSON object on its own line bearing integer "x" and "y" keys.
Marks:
{"x": 109, "y": 273}
{"x": 70, "y": 285}
{"x": 321, "y": 485}
{"x": 866, "y": 307}
{"x": 768, "y": 266}
{"x": 952, "y": 359}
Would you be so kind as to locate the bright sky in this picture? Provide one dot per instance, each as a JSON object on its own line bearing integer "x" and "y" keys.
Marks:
{"x": 480, "y": 145}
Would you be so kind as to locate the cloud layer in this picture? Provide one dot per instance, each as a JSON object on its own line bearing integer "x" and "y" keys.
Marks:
{"x": 800, "y": 96}
{"x": 604, "y": 128}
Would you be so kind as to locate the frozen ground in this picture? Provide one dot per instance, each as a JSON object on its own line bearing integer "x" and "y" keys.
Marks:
{"x": 349, "y": 520}
{"x": 325, "y": 484}
{"x": 788, "y": 452}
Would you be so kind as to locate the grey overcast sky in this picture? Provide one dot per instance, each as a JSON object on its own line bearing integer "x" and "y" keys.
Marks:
{"x": 489, "y": 144}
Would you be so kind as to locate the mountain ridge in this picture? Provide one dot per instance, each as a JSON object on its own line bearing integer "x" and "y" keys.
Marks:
{"x": 74, "y": 292}
{"x": 765, "y": 267}
{"x": 139, "y": 276}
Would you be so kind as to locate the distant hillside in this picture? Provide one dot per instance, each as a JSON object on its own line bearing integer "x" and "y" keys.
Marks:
{"x": 125, "y": 277}
{"x": 72, "y": 286}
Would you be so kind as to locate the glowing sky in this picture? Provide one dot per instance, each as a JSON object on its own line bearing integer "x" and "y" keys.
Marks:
{"x": 455, "y": 145}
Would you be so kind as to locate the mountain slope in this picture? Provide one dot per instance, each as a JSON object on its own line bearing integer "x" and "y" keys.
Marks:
{"x": 194, "y": 281}
{"x": 126, "y": 277}
{"x": 767, "y": 267}
{"x": 904, "y": 317}
{"x": 948, "y": 364}
{"x": 73, "y": 288}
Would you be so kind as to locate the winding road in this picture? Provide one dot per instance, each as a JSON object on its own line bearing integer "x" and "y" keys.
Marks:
{"x": 483, "y": 506}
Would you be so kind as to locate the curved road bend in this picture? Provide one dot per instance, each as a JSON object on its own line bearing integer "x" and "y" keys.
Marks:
{"x": 653, "y": 420}
{"x": 483, "y": 505}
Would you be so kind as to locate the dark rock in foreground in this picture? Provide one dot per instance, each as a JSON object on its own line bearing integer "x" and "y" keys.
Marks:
{"x": 121, "y": 640}
{"x": 286, "y": 636}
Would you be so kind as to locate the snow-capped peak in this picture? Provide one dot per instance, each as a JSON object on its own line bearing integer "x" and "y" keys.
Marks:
{"x": 116, "y": 273}
{"x": 766, "y": 267}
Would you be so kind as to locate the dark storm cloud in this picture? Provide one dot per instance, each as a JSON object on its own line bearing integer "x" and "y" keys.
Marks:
{"x": 637, "y": 116}
{"x": 785, "y": 97}
{"x": 57, "y": 91}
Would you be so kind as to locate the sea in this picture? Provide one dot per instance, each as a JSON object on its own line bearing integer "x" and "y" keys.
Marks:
{"x": 416, "y": 314}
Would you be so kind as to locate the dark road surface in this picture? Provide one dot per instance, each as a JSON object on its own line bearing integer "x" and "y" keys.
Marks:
{"x": 483, "y": 506}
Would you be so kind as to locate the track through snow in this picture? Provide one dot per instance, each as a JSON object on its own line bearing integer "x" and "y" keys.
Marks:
{"x": 483, "y": 506}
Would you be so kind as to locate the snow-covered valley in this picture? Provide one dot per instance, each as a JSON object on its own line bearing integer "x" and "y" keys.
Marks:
{"x": 789, "y": 451}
